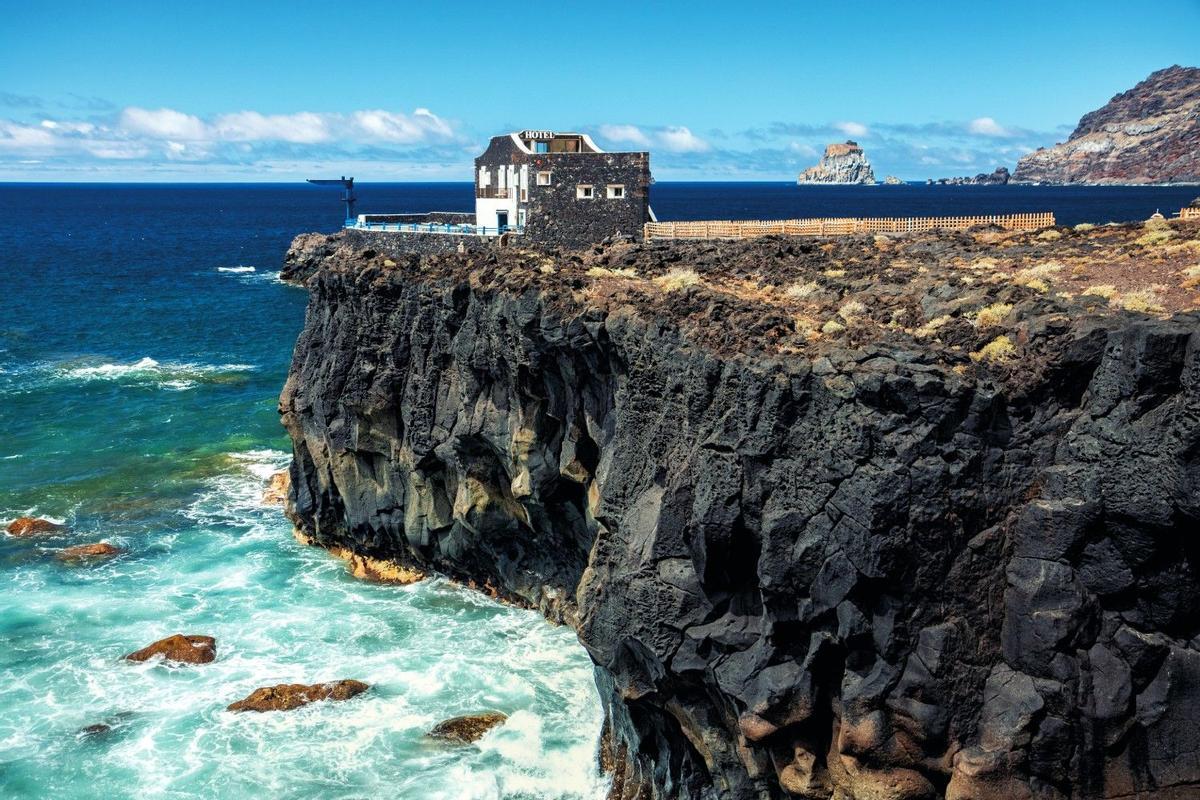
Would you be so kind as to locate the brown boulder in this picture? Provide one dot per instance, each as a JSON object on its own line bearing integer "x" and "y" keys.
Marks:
{"x": 277, "y": 489}
{"x": 468, "y": 728}
{"x": 88, "y": 552}
{"x": 32, "y": 526}
{"x": 287, "y": 696}
{"x": 180, "y": 649}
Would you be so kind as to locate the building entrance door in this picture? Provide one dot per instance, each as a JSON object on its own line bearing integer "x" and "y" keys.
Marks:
{"x": 501, "y": 220}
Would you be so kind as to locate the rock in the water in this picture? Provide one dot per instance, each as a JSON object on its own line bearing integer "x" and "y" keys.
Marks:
{"x": 32, "y": 526}
{"x": 1149, "y": 134}
{"x": 277, "y": 488}
{"x": 179, "y": 649}
{"x": 88, "y": 552}
{"x": 842, "y": 163}
{"x": 288, "y": 696}
{"x": 997, "y": 177}
{"x": 467, "y": 729}
{"x": 892, "y": 180}
{"x": 99, "y": 729}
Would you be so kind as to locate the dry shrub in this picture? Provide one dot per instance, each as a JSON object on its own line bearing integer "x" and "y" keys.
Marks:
{"x": 799, "y": 291}
{"x": 1143, "y": 300}
{"x": 547, "y": 269}
{"x": 997, "y": 351}
{"x": 677, "y": 279}
{"x": 1049, "y": 235}
{"x": 851, "y": 310}
{"x": 988, "y": 263}
{"x": 993, "y": 315}
{"x": 1191, "y": 277}
{"x": 832, "y": 326}
{"x": 835, "y": 273}
{"x": 1084, "y": 227}
{"x": 931, "y": 327}
{"x": 1105, "y": 290}
{"x": 1155, "y": 238}
{"x": 606, "y": 272}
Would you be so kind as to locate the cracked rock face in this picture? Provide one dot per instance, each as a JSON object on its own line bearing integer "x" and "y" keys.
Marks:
{"x": 858, "y": 574}
{"x": 1149, "y": 134}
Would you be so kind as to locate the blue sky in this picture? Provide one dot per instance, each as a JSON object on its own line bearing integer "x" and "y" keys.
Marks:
{"x": 411, "y": 91}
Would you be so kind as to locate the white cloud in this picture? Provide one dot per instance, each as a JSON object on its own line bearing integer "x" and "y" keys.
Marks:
{"x": 853, "y": 128}
{"x": 986, "y": 126}
{"x": 251, "y": 126}
{"x": 681, "y": 140}
{"x": 800, "y": 148}
{"x": 163, "y": 123}
{"x": 626, "y": 134}
{"x": 14, "y": 136}
{"x": 420, "y": 127}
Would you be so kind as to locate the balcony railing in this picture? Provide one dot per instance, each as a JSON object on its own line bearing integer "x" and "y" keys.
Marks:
{"x": 492, "y": 193}
{"x": 438, "y": 228}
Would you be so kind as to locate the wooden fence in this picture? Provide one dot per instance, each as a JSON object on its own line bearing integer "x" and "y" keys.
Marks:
{"x": 1189, "y": 213}
{"x": 743, "y": 229}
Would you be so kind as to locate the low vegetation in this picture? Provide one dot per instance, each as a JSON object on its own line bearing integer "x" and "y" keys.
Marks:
{"x": 677, "y": 279}
{"x": 993, "y": 316}
{"x": 997, "y": 351}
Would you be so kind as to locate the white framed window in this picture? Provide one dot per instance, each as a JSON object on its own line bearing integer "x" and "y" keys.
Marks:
{"x": 584, "y": 192}
{"x": 543, "y": 178}
{"x": 485, "y": 177}
{"x": 524, "y": 195}
{"x": 521, "y": 218}
{"x": 616, "y": 191}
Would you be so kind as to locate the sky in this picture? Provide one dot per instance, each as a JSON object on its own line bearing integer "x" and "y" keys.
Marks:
{"x": 275, "y": 91}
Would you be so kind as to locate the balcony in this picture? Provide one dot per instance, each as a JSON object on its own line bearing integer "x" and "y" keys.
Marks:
{"x": 492, "y": 193}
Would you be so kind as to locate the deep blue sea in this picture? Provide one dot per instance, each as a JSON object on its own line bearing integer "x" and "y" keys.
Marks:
{"x": 144, "y": 338}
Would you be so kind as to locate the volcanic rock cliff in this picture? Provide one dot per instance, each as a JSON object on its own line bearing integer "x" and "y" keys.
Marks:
{"x": 1149, "y": 134}
{"x": 842, "y": 163}
{"x": 822, "y": 531}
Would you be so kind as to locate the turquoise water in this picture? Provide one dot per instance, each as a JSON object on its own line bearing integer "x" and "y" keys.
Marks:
{"x": 143, "y": 344}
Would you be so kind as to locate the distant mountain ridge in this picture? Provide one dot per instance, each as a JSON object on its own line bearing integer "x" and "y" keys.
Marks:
{"x": 1148, "y": 134}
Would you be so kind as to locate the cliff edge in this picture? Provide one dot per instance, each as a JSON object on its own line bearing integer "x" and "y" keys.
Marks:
{"x": 870, "y": 517}
{"x": 1149, "y": 134}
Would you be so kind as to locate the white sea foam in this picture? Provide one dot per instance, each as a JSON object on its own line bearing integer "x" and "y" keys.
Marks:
{"x": 235, "y": 269}
{"x": 282, "y": 612}
{"x": 175, "y": 375}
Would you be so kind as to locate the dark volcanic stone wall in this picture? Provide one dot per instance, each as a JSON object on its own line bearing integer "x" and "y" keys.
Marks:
{"x": 557, "y": 218}
{"x": 861, "y": 576}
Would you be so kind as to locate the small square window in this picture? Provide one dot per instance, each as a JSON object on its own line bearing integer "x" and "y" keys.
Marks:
{"x": 541, "y": 147}
{"x": 543, "y": 179}
{"x": 616, "y": 191}
{"x": 583, "y": 192}
{"x": 524, "y": 195}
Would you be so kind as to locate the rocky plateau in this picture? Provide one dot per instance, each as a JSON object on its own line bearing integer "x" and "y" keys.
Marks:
{"x": 867, "y": 518}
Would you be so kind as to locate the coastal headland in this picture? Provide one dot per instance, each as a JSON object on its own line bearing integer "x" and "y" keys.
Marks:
{"x": 892, "y": 516}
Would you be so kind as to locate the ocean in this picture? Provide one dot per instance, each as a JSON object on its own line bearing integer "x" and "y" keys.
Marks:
{"x": 144, "y": 340}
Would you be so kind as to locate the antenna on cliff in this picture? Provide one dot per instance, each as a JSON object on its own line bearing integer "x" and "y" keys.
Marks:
{"x": 347, "y": 196}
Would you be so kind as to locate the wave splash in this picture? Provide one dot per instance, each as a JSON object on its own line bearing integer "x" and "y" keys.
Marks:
{"x": 235, "y": 269}
{"x": 170, "y": 375}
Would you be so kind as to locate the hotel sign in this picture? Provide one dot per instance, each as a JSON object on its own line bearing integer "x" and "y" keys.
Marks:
{"x": 537, "y": 134}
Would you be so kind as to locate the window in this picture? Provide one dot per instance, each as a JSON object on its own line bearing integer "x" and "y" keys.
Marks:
{"x": 583, "y": 192}
{"x": 543, "y": 179}
{"x": 521, "y": 218}
{"x": 616, "y": 191}
{"x": 524, "y": 195}
{"x": 541, "y": 147}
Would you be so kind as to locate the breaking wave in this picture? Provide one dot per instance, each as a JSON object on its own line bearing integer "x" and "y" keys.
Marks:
{"x": 169, "y": 374}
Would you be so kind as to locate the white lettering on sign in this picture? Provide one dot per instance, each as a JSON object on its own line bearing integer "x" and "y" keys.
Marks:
{"x": 537, "y": 134}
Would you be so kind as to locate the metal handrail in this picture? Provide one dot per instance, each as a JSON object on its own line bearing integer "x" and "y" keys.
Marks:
{"x": 439, "y": 228}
